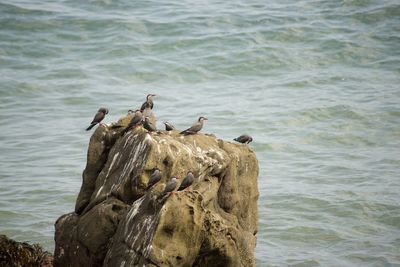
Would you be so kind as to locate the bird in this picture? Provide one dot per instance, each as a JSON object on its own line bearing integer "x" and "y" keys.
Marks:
{"x": 154, "y": 178}
{"x": 244, "y": 139}
{"x": 148, "y": 125}
{"x": 171, "y": 186}
{"x": 168, "y": 126}
{"x": 187, "y": 181}
{"x": 130, "y": 112}
{"x": 136, "y": 120}
{"x": 101, "y": 113}
{"x": 149, "y": 100}
{"x": 195, "y": 127}
{"x": 147, "y": 112}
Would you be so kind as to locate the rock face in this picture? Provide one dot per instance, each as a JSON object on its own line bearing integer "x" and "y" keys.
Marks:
{"x": 118, "y": 223}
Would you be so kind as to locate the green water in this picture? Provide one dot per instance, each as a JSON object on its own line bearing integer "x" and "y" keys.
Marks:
{"x": 316, "y": 83}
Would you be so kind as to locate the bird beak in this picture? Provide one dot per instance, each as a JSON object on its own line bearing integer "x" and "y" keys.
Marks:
{"x": 206, "y": 119}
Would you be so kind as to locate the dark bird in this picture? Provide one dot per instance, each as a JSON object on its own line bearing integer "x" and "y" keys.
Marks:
{"x": 130, "y": 112}
{"x": 168, "y": 126}
{"x": 148, "y": 125}
{"x": 149, "y": 100}
{"x": 171, "y": 186}
{"x": 101, "y": 113}
{"x": 154, "y": 178}
{"x": 195, "y": 127}
{"x": 244, "y": 139}
{"x": 187, "y": 181}
{"x": 147, "y": 112}
{"x": 136, "y": 120}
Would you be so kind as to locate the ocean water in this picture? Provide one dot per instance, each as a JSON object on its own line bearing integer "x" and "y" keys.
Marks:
{"x": 316, "y": 83}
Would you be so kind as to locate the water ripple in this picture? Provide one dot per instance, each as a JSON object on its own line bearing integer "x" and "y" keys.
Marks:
{"x": 315, "y": 85}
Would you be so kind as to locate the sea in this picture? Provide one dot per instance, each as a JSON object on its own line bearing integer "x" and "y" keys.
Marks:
{"x": 315, "y": 83}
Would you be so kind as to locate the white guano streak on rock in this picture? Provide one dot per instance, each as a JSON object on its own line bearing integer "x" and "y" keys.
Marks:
{"x": 111, "y": 165}
{"x": 135, "y": 208}
{"x": 145, "y": 224}
{"x": 148, "y": 137}
{"x": 158, "y": 149}
{"x": 99, "y": 191}
{"x": 132, "y": 161}
{"x": 188, "y": 149}
{"x": 132, "y": 213}
{"x": 149, "y": 236}
{"x": 218, "y": 152}
{"x": 128, "y": 139}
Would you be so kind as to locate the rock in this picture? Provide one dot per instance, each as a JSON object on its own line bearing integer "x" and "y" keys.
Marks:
{"x": 117, "y": 223}
{"x": 13, "y": 253}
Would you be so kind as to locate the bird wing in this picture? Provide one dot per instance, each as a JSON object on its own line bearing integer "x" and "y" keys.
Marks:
{"x": 147, "y": 104}
{"x": 150, "y": 127}
{"x": 154, "y": 178}
{"x": 242, "y": 139}
{"x": 170, "y": 186}
{"x": 185, "y": 183}
{"x": 143, "y": 106}
{"x": 194, "y": 128}
{"x": 168, "y": 126}
{"x": 136, "y": 119}
{"x": 98, "y": 117}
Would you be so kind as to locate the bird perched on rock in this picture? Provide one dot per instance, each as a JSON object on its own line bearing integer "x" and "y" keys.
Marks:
{"x": 147, "y": 112}
{"x": 171, "y": 186}
{"x": 136, "y": 120}
{"x": 148, "y": 125}
{"x": 149, "y": 100}
{"x": 244, "y": 139}
{"x": 195, "y": 127}
{"x": 187, "y": 181}
{"x": 154, "y": 178}
{"x": 168, "y": 126}
{"x": 101, "y": 113}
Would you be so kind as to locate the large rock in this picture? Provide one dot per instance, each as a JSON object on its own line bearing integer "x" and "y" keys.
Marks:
{"x": 118, "y": 223}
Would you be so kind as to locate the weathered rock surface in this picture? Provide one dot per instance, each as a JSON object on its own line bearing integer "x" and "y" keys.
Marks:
{"x": 117, "y": 223}
{"x": 13, "y": 254}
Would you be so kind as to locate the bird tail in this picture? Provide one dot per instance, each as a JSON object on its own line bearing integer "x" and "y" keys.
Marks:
{"x": 186, "y": 132}
{"x": 235, "y": 139}
{"x": 90, "y": 127}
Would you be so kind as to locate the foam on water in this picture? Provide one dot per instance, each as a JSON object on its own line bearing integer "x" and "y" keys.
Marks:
{"x": 315, "y": 83}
